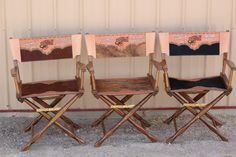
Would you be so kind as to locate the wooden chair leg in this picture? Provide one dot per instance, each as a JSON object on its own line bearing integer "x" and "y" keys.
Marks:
{"x": 214, "y": 120}
{"x": 63, "y": 117}
{"x": 52, "y": 120}
{"x": 196, "y": 117}
{"x": 33, "y": 123}
{"x": 175, "y": 125}
{"x": 182, "y": 109}
{"x": 195, "y": 113}
{"x": 212, "y": 128}
{"x": 126, "y": 117}
{"x": 109, "y": 112}
{"x": 121, "y": 113}
{"x": 102, "y": 118}
{"x": 136, "y": 115}
{"x": 208, "y": 115}
{"x": 38, "y": 118}
{"x": 175, "y": 115}
{"x": 103, "y": 128}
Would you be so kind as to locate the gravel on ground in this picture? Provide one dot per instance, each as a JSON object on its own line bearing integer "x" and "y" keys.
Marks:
{"x": 198, "y": 141}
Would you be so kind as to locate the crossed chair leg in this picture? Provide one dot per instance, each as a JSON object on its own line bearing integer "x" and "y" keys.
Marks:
{"x": 198, "y": 112}
{"x": 143, "y": 122}
{"x": 111, "y": 101}
{"x": 51, "y": 105}
{"x": 214, "y": 120}
{"x": 51, "y": 119}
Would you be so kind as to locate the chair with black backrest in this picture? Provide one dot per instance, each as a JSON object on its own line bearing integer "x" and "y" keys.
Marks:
{"x": 108, "y": 90}
{"x": 36, "y": 94}
{"x": 189, "y": 91}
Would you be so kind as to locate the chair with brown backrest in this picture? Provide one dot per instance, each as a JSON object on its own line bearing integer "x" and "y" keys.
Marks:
{"x": 189, "y": 91}
{"x": 36, "y": 94}
{"x": 107, "y": 90}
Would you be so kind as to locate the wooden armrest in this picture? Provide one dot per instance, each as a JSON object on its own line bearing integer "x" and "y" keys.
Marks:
{"x": 230, "y": 64}
{"x": 164, "y": 65}
{"x": 228, "y": 78}
{"x": 14, "y": 72}
{"x": 80, "y": 70}
{"x": 15, "y": 75}
{"x": 81, "y": 66}
{"x": 156, "y": 64}
{"x": 90, "y": 68}
{"x": 166, "y": 76}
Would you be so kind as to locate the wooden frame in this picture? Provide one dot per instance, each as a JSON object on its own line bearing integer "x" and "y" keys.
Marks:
{"x": 103, "y": 89}
{"x": 200, "y": 111}
{"x": 49, "y": 90}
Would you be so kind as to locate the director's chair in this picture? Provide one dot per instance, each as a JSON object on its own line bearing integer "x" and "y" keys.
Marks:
{"x": 189, "y": 91}
{"x": 107, "y": 90}
{"x": 36, "y": 94}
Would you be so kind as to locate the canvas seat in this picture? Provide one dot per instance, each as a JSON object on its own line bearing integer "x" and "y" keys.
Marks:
{"x": 50, "y": 87}
{"x": 44, "y": 96}
{"x": 127, "y": 86}
{"x": 115, "y": 92}
{"x": 189, "y": 92}
{"x": 216, "y": 83}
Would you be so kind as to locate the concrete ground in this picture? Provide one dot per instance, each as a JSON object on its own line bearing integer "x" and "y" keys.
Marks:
{"x": 198, "y": 141}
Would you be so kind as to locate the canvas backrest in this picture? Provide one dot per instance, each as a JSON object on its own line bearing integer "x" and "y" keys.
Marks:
{"x": 46, "y": 48}
{"x": 194, "y": 43}
{"x": 120, "y": 45}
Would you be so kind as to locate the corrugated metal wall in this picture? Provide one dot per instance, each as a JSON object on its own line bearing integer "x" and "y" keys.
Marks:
{"x": 25, "y": 18}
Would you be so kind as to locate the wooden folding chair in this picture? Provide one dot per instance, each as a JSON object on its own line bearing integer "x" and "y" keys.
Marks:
{"x": 189, "y": 91}
{"x": 107, "y": 90}
{"x": 36, "y": 94}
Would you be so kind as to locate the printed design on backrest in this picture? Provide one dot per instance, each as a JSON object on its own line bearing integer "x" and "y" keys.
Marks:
{"x": 194, "y": 43}
{"x": 46, "y": 48}
{"x": 120, "y": 45}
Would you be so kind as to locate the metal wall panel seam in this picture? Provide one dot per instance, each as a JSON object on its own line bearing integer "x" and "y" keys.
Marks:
{"x": 81, "y": 30}
{"x": 208, "y": 24}
{"x": 158, "y": 15}
{"x": 6, "y": 56}
{"x": 132, "y": 15}
{"x": 132, "y": 29}
{"x": 3, "y": 31}
{"x": 183, "y": 18}
{"x": 157, "y": 29}
{"x": 107, "y": 30}
{"x": 107, "y": 14}
{"x": 232, "y": 18}
{"x": 55, "y": 29}
{"x": 29, "y": 29}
